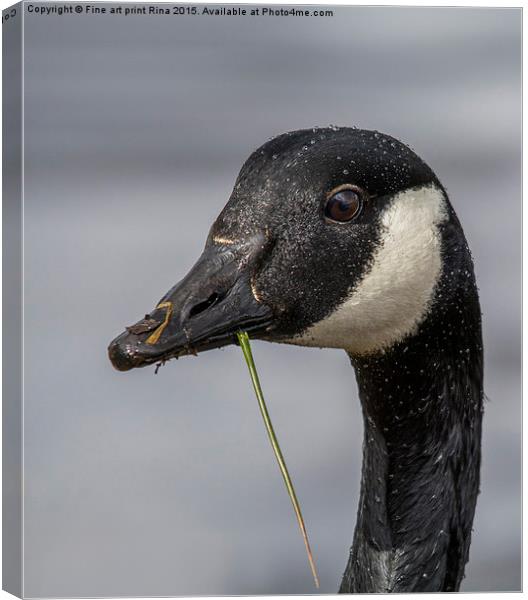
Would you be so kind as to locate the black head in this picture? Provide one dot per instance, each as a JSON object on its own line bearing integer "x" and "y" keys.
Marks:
{"x": 331, "y": 237}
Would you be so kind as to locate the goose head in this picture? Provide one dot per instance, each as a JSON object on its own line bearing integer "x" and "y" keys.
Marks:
{"x": 332, "y": 237}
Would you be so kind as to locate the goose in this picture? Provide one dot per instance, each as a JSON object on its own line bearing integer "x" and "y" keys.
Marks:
{"x": 340, "y": 237}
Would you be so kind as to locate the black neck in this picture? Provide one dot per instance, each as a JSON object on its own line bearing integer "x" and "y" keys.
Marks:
{"x": 422, "y": 407}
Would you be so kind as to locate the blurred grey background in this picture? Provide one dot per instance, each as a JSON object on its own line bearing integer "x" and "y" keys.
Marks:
{"x": 136, "y": 128}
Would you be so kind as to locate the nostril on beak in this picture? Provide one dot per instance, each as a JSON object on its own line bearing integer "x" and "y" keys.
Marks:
{"x": 213, "y": 299}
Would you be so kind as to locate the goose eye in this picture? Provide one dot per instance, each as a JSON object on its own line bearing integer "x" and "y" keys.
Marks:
{"x": 343, "y": 205}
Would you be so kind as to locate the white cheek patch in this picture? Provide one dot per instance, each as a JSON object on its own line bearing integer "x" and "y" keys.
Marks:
{"x": 394, "y": 295}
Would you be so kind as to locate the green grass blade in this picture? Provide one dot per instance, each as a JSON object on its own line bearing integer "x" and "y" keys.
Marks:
{"x": 243, "y": 340}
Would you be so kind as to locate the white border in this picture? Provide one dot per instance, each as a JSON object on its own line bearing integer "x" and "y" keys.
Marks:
{"x": 427, "y": 3}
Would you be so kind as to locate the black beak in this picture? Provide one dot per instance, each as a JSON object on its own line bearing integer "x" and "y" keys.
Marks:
{"x": 203, "y": 311}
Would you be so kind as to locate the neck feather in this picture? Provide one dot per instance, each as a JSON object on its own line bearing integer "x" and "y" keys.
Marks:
{"x": 422, "y": 407}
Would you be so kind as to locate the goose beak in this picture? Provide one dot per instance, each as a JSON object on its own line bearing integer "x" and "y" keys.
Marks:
{"x": 203, "y": 311}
